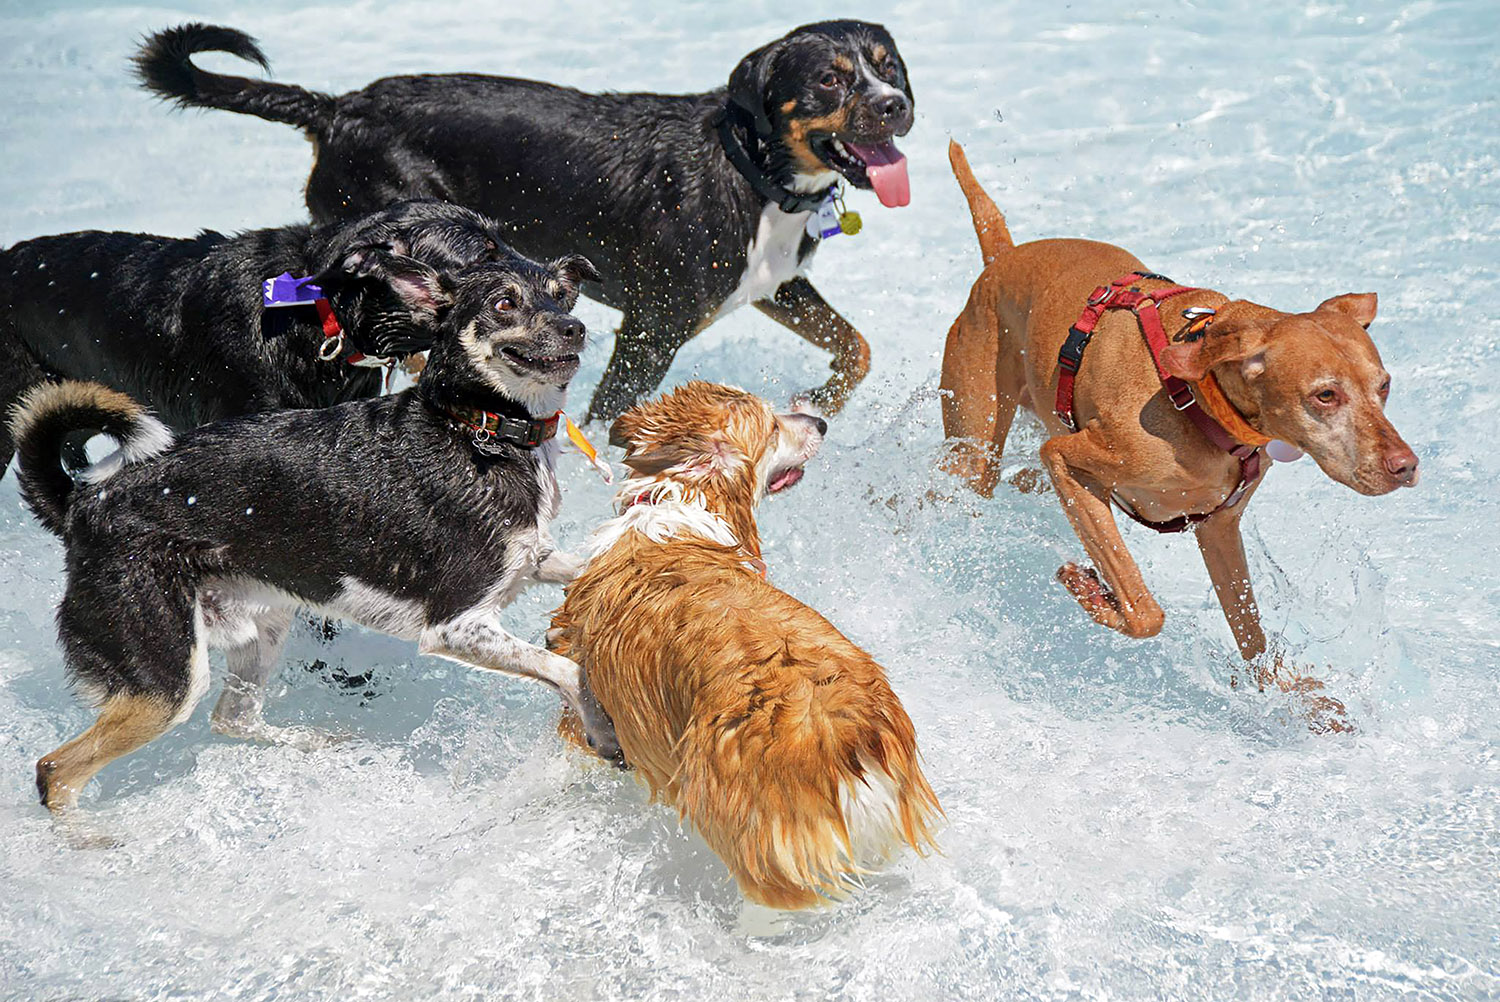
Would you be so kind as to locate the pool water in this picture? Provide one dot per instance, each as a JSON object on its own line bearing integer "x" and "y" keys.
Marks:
{"x": 1121, "y": 823}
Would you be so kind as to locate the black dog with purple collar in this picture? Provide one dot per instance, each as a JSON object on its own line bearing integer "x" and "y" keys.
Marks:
{"x": 181, "y": 325}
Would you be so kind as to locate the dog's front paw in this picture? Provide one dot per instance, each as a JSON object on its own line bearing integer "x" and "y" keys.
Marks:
{"x": 1324, "y": 714}
{"x": 1095, "y": 597}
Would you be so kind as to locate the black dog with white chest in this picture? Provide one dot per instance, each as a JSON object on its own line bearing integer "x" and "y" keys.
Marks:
{"x": 178, "y": 324}
{"x": 692, "y": 205}
{"x": 419, "y": 514}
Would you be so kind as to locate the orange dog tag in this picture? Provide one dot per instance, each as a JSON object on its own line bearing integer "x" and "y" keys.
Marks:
{"x": 576, "y": 436}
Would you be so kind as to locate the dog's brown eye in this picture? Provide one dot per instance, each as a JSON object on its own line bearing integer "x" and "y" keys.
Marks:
{"x": 1385, "y": 388}
{"x": 505, "y": 304}
{"x": 830, "y": 80}
{"x": 1326, "y": 396}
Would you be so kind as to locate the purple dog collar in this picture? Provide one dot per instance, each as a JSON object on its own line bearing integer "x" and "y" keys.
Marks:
{"x": 284, "y": 290}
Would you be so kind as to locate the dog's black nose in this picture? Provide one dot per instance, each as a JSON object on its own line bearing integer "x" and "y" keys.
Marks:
{"x": 893, "y": 106}
{"x": 572, "y": 330}
{"x": 822, "y": 426}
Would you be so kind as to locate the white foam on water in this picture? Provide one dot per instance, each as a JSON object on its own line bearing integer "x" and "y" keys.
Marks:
{"x": 1121, "y": 824}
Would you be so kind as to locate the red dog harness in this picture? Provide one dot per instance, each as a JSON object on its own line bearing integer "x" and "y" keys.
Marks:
{"x": 1121, "y": 294}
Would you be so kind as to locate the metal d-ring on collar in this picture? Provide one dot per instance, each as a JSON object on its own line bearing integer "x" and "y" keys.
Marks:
{"x": 787, "y": 201}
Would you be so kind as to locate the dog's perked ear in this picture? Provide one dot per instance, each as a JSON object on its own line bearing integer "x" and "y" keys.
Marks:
{"x": 750, "y": 81}
{"x": 1358, "y": 306}
{"x": 421, "y": 287}
{"x": 572, "y": 270}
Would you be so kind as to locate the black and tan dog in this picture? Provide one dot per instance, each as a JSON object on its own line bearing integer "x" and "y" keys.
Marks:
{"x": 179, "y": 325}
{"x": 692, "y": 205}
{"x": 420, "y": 514}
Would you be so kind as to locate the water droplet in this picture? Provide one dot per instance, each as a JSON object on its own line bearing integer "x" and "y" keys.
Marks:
{"x": 192, "y": 499}
{"x": 166, "y": 490}
{"x": 249, "y": 511}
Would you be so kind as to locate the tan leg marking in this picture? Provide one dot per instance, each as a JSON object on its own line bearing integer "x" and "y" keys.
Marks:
{"x": 125, "y": 723}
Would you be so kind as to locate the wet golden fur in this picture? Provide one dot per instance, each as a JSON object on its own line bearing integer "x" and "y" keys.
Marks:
{"x": 779, "y": 740}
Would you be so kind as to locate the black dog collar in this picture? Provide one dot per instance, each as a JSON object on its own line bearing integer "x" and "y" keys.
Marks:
{"x": 490, "y": 428}
{"x": 787, "y": 201}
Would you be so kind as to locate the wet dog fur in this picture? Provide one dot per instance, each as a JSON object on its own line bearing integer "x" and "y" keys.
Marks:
{"x": 640, "y": 183}
{"x": 778, "y": 739}
{"x": 178, "y": 325}
{"x": 386, "y": 512}
{"x": 1312, "y": 379}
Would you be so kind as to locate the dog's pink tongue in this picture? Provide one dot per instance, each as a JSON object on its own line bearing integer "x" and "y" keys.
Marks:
{"x": 886, "y": 166}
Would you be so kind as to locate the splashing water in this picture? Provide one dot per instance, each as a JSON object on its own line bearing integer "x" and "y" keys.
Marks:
{"x": 1121, "y": 823}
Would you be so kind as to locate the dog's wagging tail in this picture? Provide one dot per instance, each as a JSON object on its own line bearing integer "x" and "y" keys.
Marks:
{"x": 48, "y": 414}
{"x": 165, "y": 67}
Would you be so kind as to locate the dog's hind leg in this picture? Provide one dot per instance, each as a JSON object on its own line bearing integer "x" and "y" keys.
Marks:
{"x": 476, "y": 638}
{"x": 239, "y": 711}
{"x": 799, "y": 308}
{"x": 126, "y": 722}
{"x": 983, "y": 383}
{"x": 151, "y": 661}
{"x": 1077, "y": 463}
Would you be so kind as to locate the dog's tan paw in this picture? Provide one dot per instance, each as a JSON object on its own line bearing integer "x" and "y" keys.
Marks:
{"x": 1324, "y": 714}
{"x": 1095, "y": 597}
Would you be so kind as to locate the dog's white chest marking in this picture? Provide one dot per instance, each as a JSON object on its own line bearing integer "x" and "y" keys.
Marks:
{"x": 771, "y": 258}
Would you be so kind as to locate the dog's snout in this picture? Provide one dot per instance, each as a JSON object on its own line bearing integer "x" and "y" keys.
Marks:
{"x": 572, "y": 331}
{"x": 893, "y": 107}
{"x": 1401, "y": 463}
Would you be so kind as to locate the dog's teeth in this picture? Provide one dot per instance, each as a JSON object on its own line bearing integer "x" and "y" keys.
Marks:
{"x": 840, "y": 147}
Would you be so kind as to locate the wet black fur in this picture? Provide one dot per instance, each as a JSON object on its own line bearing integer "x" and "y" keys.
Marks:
{"x": 637, "y": 182}
{"x": 178, "y": 323}
{"x": 386, "y": 491}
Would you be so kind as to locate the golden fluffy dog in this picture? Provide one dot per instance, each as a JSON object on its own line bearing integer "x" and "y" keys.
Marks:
{"x": 775, "y": 736}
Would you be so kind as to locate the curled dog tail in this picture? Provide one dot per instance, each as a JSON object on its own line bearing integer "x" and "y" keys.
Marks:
{"x": 989, "y": 221}
{"x": 48, "y": 414}
{"x": 801, "y": 806}
{"x": 165, "y": 67}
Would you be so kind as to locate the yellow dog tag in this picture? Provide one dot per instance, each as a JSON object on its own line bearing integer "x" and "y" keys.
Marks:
{"x": 850, "y": 222}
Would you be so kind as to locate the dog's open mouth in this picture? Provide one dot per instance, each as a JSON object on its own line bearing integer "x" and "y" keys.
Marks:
{"x": 880, "y": 166}
{"x": 783, "y": 478}
{"x": 543, "y": 364}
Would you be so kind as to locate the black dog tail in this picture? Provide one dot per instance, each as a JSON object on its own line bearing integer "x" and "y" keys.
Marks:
{"x": 49, "y": 413}
{"x": 165, "y": 66}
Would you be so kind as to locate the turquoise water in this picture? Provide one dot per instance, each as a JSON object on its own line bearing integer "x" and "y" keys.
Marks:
{"x": 1121, "y": 823}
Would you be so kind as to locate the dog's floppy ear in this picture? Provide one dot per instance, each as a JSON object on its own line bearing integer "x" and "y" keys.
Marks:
{"x": 421, "y": 287}
{"x": 1228, "y": 338}
{"x": 694, "y": 455}
{"x": 1358, "y": 306}
{"x": 574, "y": 269}
{"x": 750, "y": 81}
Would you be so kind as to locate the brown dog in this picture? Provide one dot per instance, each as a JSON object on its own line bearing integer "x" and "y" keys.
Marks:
{"x": 775, "y": 736}
{"x": 1313, "y": 380}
